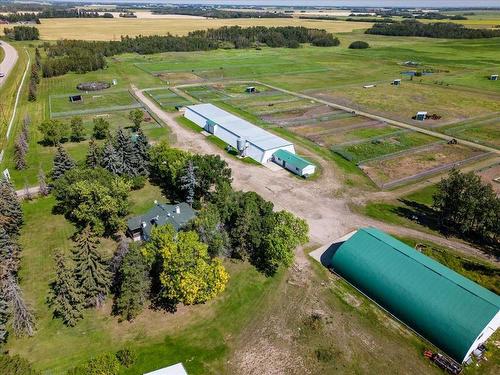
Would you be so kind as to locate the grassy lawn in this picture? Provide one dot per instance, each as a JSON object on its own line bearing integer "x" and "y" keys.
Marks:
{"x": 384, "y": 146}
{"x": 198, "y": 336}
{"x": 95, "y": 102}
{"x": 167, "y": 99}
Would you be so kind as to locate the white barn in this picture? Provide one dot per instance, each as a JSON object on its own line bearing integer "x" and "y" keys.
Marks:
{"x": 258, "y": 143}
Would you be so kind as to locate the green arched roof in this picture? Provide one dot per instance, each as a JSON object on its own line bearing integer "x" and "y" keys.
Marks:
{"x": 446, "y": 308}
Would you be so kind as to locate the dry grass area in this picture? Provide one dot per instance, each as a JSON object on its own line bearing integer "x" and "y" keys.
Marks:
{"x": 488, "y": 175}
{"x": 111, "y": 29}
{"x": 410, "y": 164}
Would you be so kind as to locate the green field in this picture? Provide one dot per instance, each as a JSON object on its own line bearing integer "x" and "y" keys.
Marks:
{"x": 167, "y": 99}
{"x": 94, "y": 102}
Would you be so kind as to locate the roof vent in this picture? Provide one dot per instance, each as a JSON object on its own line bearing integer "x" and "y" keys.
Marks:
{"x": 177, "y": 210}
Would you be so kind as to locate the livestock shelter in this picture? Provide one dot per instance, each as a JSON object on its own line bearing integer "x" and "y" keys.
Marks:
{"x": 75, "y": 98}
{"x": 249, "y": 139}
{"x": 450, "y": 311}
{"x": 494, "y": 77}
{"x": 396, "y": 82}
{"x": 294, "y": 163}
{"x": 139, "y": 227}
{"x": 421, "y": 116}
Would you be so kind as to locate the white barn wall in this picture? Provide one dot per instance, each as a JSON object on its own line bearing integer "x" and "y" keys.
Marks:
{"x": 268, "y": 154}
{"x": 489, "y": 330}
{"x": 196, "y": 118}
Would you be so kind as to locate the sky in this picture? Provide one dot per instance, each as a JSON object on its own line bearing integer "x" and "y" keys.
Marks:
{"x": 368, "y": 3}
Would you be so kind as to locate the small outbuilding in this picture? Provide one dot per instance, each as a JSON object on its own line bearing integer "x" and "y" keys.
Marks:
{"x": 396, "y": 82}
{"x": 494, "y": 77}
{"x": 177, "y": 369}
{"x": 75, "y": 98}
{"x": 294, "y": 163}
{"x": 249, "y": 139}
{"x": 250, "y": 90}
{"x": 452, "y": 312}
{"x": 421, "y": 116}
{"x": 139, "y": 227}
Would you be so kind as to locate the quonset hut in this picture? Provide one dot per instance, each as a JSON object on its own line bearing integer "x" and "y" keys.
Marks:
{"x": 248, "y": 139}
{"x": 450, "y": 311}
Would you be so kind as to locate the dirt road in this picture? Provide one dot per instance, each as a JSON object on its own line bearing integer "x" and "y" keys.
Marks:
{"x": 8, "y": 62}
{"x": 328, "y": 216}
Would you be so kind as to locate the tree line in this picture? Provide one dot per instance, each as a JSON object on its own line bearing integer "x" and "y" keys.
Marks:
{"x": 35, "y": 77}
{"x": 219, "y": 13}
{"x": 52, "y": 13}
{"x": 22, "y": 33}
{"x": 83, "y": 56}
{"x": 431, "y": 30}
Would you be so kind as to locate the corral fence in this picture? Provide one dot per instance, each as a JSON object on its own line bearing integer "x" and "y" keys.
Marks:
{"x": 429, "y": 172}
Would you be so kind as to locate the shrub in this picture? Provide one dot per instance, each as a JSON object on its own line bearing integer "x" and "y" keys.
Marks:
{"x": 137, "y": 182}
{"x": 359, "y": 44}
{"x": 126, "y": 357}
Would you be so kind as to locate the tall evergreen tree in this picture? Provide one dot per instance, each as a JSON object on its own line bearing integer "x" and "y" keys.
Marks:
{"x": 23, "y": 319}
{"x": 128, "y": 160}
{"x": 42, "y": 183}
{"x": 189, "y": 182}
{"x": 110, "y": 159}
{"x": 11, "y": 214}
{"x": 135, "y": 284}
{"x": 91, "y": 269}
{"x": 62, "y": 163}
{"x": 141, "y": 150}
{"x": 94, "y": 153}
{"x": 4, "y": 317}
{"x": 66, "y": 298}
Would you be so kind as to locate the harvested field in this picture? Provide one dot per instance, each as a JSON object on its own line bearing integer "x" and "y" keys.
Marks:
{"x": 388, "y": 171}
{"x": 301, "y": 115}
{"x": 178, "y": 77}
{"x": 113, "y": 28}
{"x": 488, "y": 175}
{"x": 275, "y": 107}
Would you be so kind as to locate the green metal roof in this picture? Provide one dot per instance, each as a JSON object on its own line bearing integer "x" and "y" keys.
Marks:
{"x": 446, "y": 308}
{"x": 292, "y": 158}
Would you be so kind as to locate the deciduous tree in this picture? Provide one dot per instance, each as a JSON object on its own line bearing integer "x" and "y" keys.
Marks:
{"x": 101, "y": 128}
{"x": 77, "y": 129}
{"x": 137, "y": 117}
{"x": 54, "y": 131}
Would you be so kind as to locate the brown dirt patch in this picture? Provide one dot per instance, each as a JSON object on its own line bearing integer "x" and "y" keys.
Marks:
{"x": 489, "y": 174}
{"x": 179, "y": 77}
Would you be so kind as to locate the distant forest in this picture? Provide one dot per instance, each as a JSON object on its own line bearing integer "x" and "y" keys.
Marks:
{"x": 83, "y": 56}
{"x": 431, "y": 30}
{"x": 52, "y": 13}
{"x": 219, "y": 13}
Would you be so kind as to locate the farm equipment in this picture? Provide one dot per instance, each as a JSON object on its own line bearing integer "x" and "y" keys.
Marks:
{"x": 434, "y": 117}
{"x": 443, "y": 362}
{"x": 452, "y": 141}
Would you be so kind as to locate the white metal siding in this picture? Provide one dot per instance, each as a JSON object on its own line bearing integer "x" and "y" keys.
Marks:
{"x": 268, "y": 154}
{"x": 309, "y": 170}
{"x": 196, "y": 118}
{"x": 489, "y": 330}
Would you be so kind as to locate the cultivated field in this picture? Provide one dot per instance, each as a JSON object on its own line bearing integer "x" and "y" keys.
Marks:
{"x": 112, "y": 29}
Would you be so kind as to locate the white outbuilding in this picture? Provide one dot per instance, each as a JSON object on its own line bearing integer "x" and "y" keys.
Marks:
{"x": 249, "y": 139}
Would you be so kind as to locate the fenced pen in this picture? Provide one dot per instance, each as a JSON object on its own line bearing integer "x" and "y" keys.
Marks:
{"x": 91, "y": 103}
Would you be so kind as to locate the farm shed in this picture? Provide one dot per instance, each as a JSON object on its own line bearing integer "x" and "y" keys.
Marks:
{"x": 494, "y": 77}
{"x": 294, "y": 163}
{"x": 396, "y": 82}
{"x": 449, "y": 310}
{"x": 248, "y": 138}
{"x": 421, "y": 116}
{"x": 177, "y": 369}
{"x": 139, "y": 227}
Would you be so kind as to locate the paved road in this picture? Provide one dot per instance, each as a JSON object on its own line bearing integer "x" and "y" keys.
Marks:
{"x": 328, "y": 215}
{"x": 8, "y": 62}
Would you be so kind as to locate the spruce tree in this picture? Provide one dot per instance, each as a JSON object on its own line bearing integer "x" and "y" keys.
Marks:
{"x": 110, "y": 159}
{"x": 42, "y": 183}
{"x": 62, "y": 163}
{"x": 91, "y": 269}
{"x": 11, "y": 214}
{"x": 141, "y": 150}
{"x": 189, "y": 182}
{"x": 9, "y": 254}
{"x": 93, "y": 159}
{"x": 66, "y": 297}
{"x": 23, "y": 319}
{"x": 4, "y": 317}
{"x": 128, "y": 160}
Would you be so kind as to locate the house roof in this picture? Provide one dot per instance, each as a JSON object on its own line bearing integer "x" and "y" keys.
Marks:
{"x": 241, "y": 128}
{"x": 446, "y": 308}
{"x": 177, "y": 369}
{"x": 161, "y": 214}
{"x": 292, "y": 158}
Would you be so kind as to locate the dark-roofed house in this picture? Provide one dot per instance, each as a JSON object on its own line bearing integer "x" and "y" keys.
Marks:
{"x": 452, "y": 312}
{"x": 139, "y": 227}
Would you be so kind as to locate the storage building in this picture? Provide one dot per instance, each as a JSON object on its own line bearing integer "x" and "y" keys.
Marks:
{"x": 494, "y": 77}
{"x": 249, "y": 139}
{"x": 294, "y": 163}
{"x": 449, "y": 310}
{"x": 421, "y": 116}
